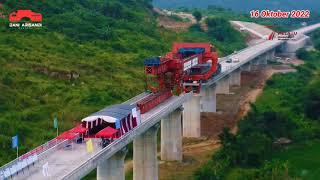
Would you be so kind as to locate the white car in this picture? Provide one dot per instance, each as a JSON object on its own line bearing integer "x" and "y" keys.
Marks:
{"x": 235, "y": 60}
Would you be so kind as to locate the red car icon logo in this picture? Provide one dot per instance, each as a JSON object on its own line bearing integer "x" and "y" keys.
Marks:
{"x": 20, "y": 14}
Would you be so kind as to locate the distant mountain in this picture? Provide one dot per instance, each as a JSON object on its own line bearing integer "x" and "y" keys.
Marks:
{"x": 243, "y": 5}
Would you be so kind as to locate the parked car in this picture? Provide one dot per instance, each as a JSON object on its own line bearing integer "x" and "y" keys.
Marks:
{"x": 229, "y": 60}
{"x": 235, "y": 59}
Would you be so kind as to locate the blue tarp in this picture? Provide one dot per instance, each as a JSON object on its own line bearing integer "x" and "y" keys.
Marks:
{"x": 155, "y": 61}
{"x": 118, "y": 112}
{"x": 118, "y": 124}
{"x": 193, "y": 50}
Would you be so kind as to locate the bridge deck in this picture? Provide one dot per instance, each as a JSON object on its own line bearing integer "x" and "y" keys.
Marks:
{"x": 244, "y": 57}
{"x": 60, "y": 162}
{"x": 66, "y": 161}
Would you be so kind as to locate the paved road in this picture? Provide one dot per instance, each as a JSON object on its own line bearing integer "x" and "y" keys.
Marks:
{"x": 256, "y": 29}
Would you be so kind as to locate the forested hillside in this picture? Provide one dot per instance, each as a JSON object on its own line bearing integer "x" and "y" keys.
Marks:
{"x": 88, "y": 55}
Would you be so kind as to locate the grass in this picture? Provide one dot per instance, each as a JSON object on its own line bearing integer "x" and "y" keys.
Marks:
{"x": 33, "y": 64}
{"x": 303, "y": 159}
{"x": 102, "y": 41}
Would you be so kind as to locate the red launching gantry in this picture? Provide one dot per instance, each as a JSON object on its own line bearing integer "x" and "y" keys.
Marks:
{"x": 183, "y": 69}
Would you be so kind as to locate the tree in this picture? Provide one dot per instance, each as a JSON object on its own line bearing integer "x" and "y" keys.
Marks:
{"x": 312, "y": 100}
{"x": 197, "y": 15}
{"x": 302, "y": 54}
{"x": 221, "y": 30}
{"x": 226, "y": 137}
{"x": 317, "y": 44}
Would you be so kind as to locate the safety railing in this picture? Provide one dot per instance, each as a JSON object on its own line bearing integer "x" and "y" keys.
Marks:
{"x": 247, "y": 59}
{"x": 136, "y": 98}
{"x": 30, "y": 158}
{"x": 117, "y": 145}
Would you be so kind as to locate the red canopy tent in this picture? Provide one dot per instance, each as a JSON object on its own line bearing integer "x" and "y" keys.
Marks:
{"x": 66, "y": 135}
{"x": 78, "y": 129}
{"x": 107, "y": 132}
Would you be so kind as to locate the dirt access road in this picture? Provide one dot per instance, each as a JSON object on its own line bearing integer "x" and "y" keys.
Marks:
{"x": 164, "y": 20}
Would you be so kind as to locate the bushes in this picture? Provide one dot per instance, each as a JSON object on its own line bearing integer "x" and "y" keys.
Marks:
{"x": 195, "y": 27}
{"x": 220, "y": 29}
{"x": 316, "y": 39}
{"x": 105, "y": 49}
{"x": 312, "y": 100}
{"x": 214, "y": 169}
{"x": 273, "y": 124}
{"x": 249, "y": 149}
{"x": 197, "y": 15}
{"x": 7, "y": 80}
{"x": 302, "y": 54}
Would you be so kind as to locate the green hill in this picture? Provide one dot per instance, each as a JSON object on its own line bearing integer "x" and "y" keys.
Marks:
{"x": 89, "y": 54}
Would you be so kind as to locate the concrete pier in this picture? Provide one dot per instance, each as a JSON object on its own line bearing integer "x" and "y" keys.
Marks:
{"x": 223, "y": 86}
{"x": 291, "y": 46}
{"x": 235, "y": 78}
{"x": 113, "y": 168}
{"x": 246, "y": 67}
{"x": 264, "y": 60}
{"x": 269, "y": 56}
{"x": 145, "y": 162}
{"x": 191, "y": 117}
{"x": 255, "y": 64}
{"x": 208, "y": 99}
{"x": 171, "y": 136}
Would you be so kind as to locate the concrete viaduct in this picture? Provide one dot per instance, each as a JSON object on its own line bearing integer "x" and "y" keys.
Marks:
{"x": 179, "y": 117}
